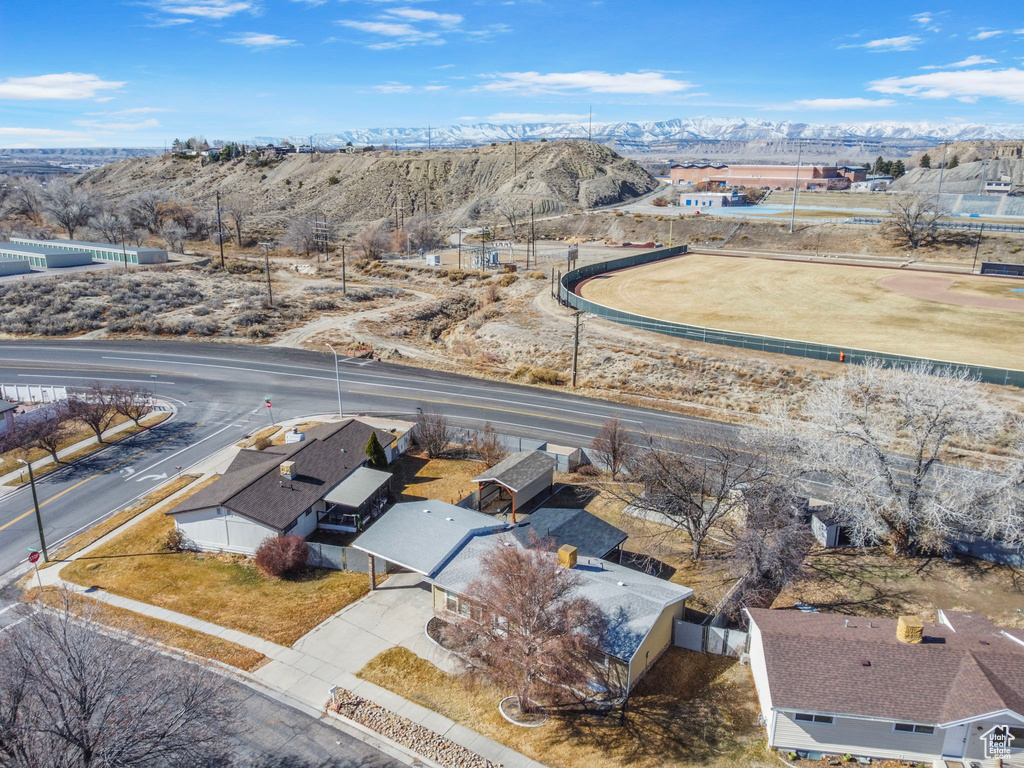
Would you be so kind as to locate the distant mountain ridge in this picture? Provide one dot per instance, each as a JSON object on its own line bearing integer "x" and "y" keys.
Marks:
{"x": 678, "y": 130}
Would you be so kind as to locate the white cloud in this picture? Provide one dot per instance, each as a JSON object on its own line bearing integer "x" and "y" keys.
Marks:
{"x": 259, "y": 41}
{"x": 69, "y": 85}
{"x": 532, "y": 117}
{"x": 39, "y": 132}
{"x": 927, "y": 20}
{"x": 393, "y": 88}
{"x": 851, "y": 103}
{"x": 140, "y": 111}
{"x": 402, "y": 34}
{"x": 204, "y": 9}
{"x": 119, "y": 126}
{"x": 964, "y": 85}
{"x": 985, "y": 34}
{"x": 446, "y": 20}
{"x": 434, "y": 87}
{"x": 444, "y": 66}
{"x": 970, "y": 61}
{"x": 590, "y": 81}
{"x": 904, "y": 43}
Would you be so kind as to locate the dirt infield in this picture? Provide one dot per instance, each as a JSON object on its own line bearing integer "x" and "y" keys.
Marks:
{"x": 968, "y": 319}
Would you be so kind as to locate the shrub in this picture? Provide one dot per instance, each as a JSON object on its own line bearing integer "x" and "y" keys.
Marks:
{"x": 544, "y": 376}
{"x": 178, "y": 541}
{"x": 282, "y": 555}
{"x": 258, "y": 332}
{"x": 323, "y": 303}
{"x": 519, "y": 372}
{"x": 660, "y": 202}
{"x": 506, "y": 280}
{"x": 332, "y": 180}
{"x": 251, "y": 317}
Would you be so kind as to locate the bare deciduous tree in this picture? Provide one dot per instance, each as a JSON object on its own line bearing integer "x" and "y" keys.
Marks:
{"x": 112, "y": 224}
{"x": 884, "y": 436}
{"x": 75, "y": 697}
{"x": 424, "y": 233}
{"x": 173, "y": 235}
{"x": 770, "y": 547}
{"x": 238, "y": 208}
{"x": 692, "y": 492}
{"x": 613, "y": 446}
{"x": 300, "y": 235}
{"x": 487, "y": 446}
{"x": 914, "y": 218}
{"x": 36, "y": 431}
{"x": 525, "y": 628}
{"x": 132, "y": 402}
{"x": 372, "y": 241}
{"x": 144, "y": 211}
{"x": 514, "y": 213}
{"x": 70, "y": 206}
{"x": 95, "y": 408}
{"x": 433, "y": 433}
{"x": 25, "y": 198}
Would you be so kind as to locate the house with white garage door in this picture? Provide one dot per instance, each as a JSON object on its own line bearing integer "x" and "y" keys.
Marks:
{"x": 948, "y": 693}
{"x": 322, "y": 481}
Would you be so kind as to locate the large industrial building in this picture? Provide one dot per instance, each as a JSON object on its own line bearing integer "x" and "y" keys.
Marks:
{"x": 42, "y": 256}
{"x": 809, "y": 177}
{"x": 123, "y": 254}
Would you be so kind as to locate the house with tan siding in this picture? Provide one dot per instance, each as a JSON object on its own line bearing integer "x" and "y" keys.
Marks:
{"x": 447, "y": 544}
{"x": 939, "y": 693}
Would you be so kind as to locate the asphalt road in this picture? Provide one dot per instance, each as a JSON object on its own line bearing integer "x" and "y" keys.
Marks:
{"x": 270, "y": 734}
{"x": 219, "y": 390}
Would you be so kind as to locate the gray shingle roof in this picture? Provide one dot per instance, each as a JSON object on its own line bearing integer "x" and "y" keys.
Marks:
{"x": 422, "y": 535}
{"x": 517, "y": 471}
{"x": 962, "y": 670}
{"x": 591, "y": 535}
{"x": 252, "y": 486}
{"x": 631, "y": 601}
{"x": 355, "y": 489}
{"x": 5, "y": 406}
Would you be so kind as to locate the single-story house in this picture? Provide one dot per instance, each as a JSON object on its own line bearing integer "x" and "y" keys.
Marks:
{"x": 592, "y": 536}
{"x": 446, "y": 545}
{"x": 889, "y": 689}
{"x": 515, "y": 480}
{"x": 322, "y": 481}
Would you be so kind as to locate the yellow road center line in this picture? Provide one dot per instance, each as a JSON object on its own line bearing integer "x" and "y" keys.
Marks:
{"x": 80, "y": 483}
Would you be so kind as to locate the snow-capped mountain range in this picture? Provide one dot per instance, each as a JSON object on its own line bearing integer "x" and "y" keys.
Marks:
{"x": 679, "y": 130}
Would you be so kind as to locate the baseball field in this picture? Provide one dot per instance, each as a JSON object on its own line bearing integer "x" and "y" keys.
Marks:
{"x": 960, "y": 318}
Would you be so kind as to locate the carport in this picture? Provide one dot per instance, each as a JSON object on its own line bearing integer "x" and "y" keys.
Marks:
{"x": 516, "y": 480}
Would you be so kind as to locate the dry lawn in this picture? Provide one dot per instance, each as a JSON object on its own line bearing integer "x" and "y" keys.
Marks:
{"x": 664, "y": 545}
{"x": 690, "y": 710}
{"x": 871, "y": 583}
{"x": 223, "y": 589}
{"x": 164, "y": 632}
{"x": 826, "y": 303}
{"x": 97, "y": 532}
{"x": 416, "y": 477}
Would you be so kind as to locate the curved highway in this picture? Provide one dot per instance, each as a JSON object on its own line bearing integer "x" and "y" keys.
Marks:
{"x": 219, "y": 392}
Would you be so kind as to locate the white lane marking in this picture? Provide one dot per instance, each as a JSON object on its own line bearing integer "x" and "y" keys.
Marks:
{"x": 95, "y": 378}
{"x": 144, "y": 478}
{"x": 522, "y": 404}
{"x": 5, "y": 610}
{"x": 16, "y": 623}
{"x": 187, "y": 447}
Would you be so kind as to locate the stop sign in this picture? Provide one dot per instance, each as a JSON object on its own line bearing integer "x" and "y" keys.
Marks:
{"x": 33, "y": 557}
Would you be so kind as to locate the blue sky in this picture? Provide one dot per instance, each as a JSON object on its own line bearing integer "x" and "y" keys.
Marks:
{"x": 143, "y": 72}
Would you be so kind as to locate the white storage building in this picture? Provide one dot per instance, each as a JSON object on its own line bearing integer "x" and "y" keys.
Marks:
{"x": 102, "y": 251}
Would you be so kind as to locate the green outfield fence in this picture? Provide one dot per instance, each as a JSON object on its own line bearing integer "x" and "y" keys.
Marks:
{"x": 568, "y": 297}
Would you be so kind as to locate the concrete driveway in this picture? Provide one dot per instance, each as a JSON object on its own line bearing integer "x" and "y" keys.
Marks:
{"x": 394, "y": 614}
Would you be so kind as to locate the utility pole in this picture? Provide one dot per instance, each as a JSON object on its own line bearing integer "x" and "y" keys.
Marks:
{"x": 460, "y": 248}
{"x": 533, "y": 241}
{"x": 670, "y": 223}
{"x": 796, "y": 187}
{"x": 35, "y": 503}
{"x": 220, "y": 233}
{"x": 942, "y": 170}
{"x": 575, "y": 347}
{"x": 590, "y": 126}
{"x": 977, "y": 247}
{"x": 266, "y": 261}
{"x": 343, "y": 291}
{"x": 124, "y": 251}
{"x": 515, "y": 159}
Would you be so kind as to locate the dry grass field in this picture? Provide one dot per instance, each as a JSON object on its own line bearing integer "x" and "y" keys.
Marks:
{"x": 959, "y": 318}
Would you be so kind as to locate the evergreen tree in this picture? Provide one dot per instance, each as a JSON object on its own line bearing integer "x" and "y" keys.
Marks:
{"x": 926, "y": 160}
{"x": 954, "y": 162}
{"x": 880, "y": 165}
{"x": 375, "y": 452}
{"x": 898, "y": 169}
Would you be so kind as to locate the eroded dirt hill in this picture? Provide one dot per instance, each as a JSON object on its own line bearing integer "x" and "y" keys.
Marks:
{"x": 465, "y": 186}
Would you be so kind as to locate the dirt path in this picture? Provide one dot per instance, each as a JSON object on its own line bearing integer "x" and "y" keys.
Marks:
{"x": 349, "y": 324}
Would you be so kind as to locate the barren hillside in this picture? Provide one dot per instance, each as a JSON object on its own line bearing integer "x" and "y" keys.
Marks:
{"x": 465, "y": 185}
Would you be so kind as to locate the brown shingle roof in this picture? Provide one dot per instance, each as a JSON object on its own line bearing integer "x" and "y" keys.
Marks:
{"x": 965, "y": 668}
{"x": 252, "y": 486}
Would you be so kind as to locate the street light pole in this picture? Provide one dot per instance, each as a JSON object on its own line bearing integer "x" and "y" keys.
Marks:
{"x": 35, "y": 503}
{"x": 220, "y": 233}
{"x": 337, "y": 377}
